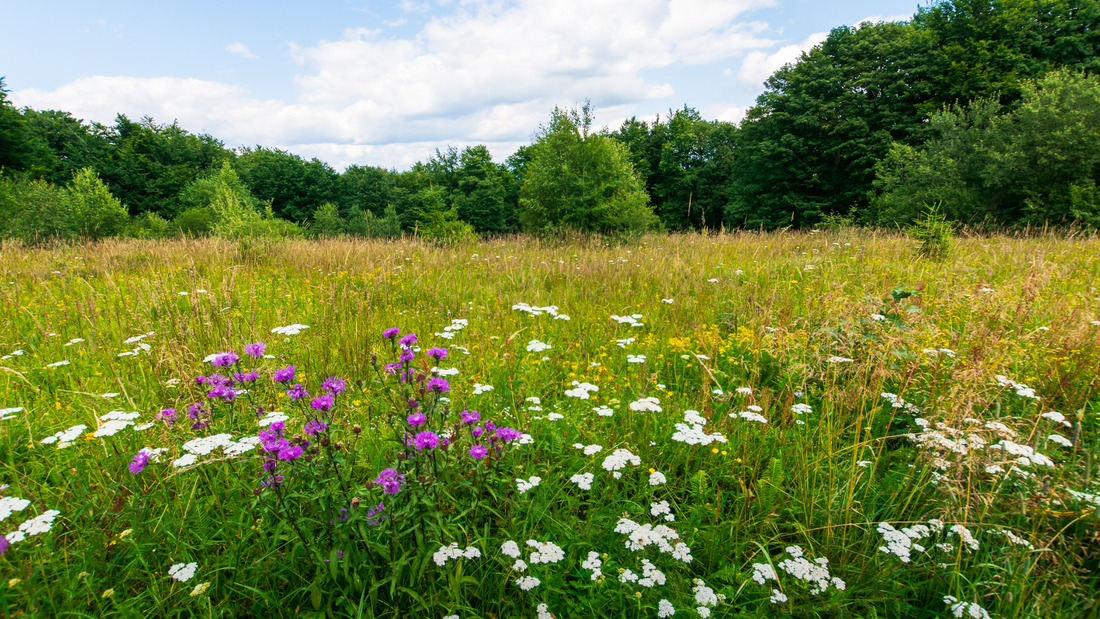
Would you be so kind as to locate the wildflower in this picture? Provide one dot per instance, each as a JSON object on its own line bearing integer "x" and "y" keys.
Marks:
{"x": 477, "y": 452}
{"x": 635, "y": 358}
{"x": 416, "y": 419}
{"x": 646, "y": 404}
{"x": 390, "y": 480}
{"x": 528, "y": 582}
{"x": 581, "y": 390}
{"x": 141, "y": 459}
{"x": 656, "y": 478}
{"x": 777, "y": 597}
{"x": 745, "y": 390}
{"x": 284, "y": 375}
{"x": 469, "y": 417}
{"x": 618, "y": 460}
{"x": 1061, "y": 440}
{"x": 408, "y": 340}
{"x": 437, "y": 353}
{"x": 297, "y": 392}
{"x": 183, "y": 571}
{"x": 662, "y": 508}
{"x": 1056, "y": 417}
{"x": 391, "y": 333}
{"x": 510, "y": 549}
{"x": 292, "y": 452}
{"x": 583, "y": 480}
{"x": 225, "y": 359}
{"x": 801, "y": 408}
{"x": 4, "y": 545}
{"x": 836, "y": 359}
{"x": 668, "y": 301}
{"x": 334, "y": 385}
{"x": 542, "y": 609}
{"x": 962, "y": 609}
{"x": 523, "y": 485}
{"x": 664, "y": 607}
{"x": 438, "y": 385}
{"x": 255, "y": 350}
{"x": 537, "y": 346}
{"x": 109, "y": 593}
{"x": 507, "y": 435}
{"x": 323, "y": 402}
{"x": 593, "y": 563}
{"x": 426, "y": 440}
{"x": 314, "y": 426}
{"x": 200, "y": 589}
{"x": 480, "y": 389}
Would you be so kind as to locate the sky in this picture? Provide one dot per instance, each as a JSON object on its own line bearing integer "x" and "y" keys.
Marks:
{"x": 387, "y": 83}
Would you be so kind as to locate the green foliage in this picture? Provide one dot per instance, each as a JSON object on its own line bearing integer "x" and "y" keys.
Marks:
{"x": 327, "y": 222}
{"x": 149, "y": 225}
{"x": 294, "y": 187}
{"x": 443, "y": 227}
{"x": 34, "y": 211}
{"x": 583, "y": 182}
{"x": 386, "y": 227}
{"x": 96, "y": 214}
{"x": 481, "y": 193}
{"x": 934, "y": 234}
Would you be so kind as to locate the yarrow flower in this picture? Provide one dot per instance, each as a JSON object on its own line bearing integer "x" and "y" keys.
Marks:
{"x": 183, "y": 571}
{"x": 390, "y": 480}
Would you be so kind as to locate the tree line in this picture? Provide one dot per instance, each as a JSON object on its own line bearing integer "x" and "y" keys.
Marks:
{"x": 987, "y": 109}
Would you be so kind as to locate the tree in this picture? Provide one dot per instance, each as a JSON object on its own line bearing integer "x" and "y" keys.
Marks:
{"x": 294, "y": 187}
{"x": 695, "y": 164}
{"x": 16, "y": 149}
{"x": 481, "y": 193}
{"x": 581, "y": 181}
{"x": 96, "y": 214}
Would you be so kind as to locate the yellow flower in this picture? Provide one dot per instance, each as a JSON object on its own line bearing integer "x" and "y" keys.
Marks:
{"x": 82, "y": 575}
{"x": 125, "y": 534}
{"x": 200, "y": 589}
{"x": 714, "y": 450}
{"x": 108, "y": 593}
{"x": 725, "y": 453}
{"x": 14, "y": 581}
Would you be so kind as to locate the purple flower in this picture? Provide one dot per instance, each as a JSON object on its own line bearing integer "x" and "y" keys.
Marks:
{"x": 256, "y": 350}
{"x": 225, "y": 393}
{"x": 273, "y": 480}
{"x": 412, "y": 404}
{"x": 507, "y": 435}
{"x": 297, "y": 392}
{"x": 246, "y": 377}
{"x": 291, "y": 452}
{"x": 284, "y": 375}
{"x": 477, "y": 431}
{"x": 391, "y": 368}
{"x": 141, "y": 458}
{"x": 406, "y": 355}
{"x": 438, "y": 385}
{"x": 478, "y": 452}
{"x": 416, "y": 419}
{"x": 408, "y": 340}
{"x": 334, "y": 385}
{"x": 426, "y": 440}
{"x": 322, "y": 402}
{"x": 406, "y": 376}
{"x": 225, "y": 359}
{"x": 490, "y": 426}
{"x": 168, "y": 415}
{"x": 469, "y": 417}
{"x": 313, "y": 426}
{"x": 437, "y": 353}
{"x": 193, "y": 410}
{"x": 390, "y": 480}
{"x": 4, "y": 545}
{"x": 390, "y": 334}
{"x": 375, "y": 516}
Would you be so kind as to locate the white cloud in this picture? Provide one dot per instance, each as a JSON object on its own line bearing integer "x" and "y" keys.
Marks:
{"x": 725, "y": 112}
{"x": 490, "y": 72}
{"x": 758, "y": 66}
{"x": 240, "y": 48}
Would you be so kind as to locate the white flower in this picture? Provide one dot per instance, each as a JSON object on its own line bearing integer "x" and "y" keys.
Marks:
{"x": 591, "y": 450}
{"x": 543, "y": 609}
{"x": 57, "y": 364}
{"x": 962, "y": 609}
{"x": 555, "y": 416}
{"x": 537, "y": 346}
{"x": 528, "y": 582}
{"x": 9, "y": 413}
{"x": 445, "y": 371}
{"x": 523, "y": 485}
{"x": 183, "y": 571}
{"x": 1061, "y": 440}
{"x": 777, "y": 597}
{"x": 65, "y": 436}
{"x": 745, "y": 390}
{"x": 750, "y": 416}
{"x": 519, "y": 565}
{"x": 704, "y": 595}
{"x": 272, "y": 417}
{"x": 583, "y": 480}
{"x": 878, "y": 317}
{"x": 185, "y": 460}
{"x": 836, "y": 359}
{"x": 635, "y": 358}
{"x": 669, "y": 301}
{"x": 662, "y": 508}
{"x": 664, "y": 607}
{"x": 9, "y": 504}
{"x": 1057, "y": 417}
{"x": 581, "y": 390}
{"x": 619, "y": 459}
{"x": 593, "y": 563}
{"x": 293, "y": 329}
{"x": 604, "y": 411}
{"x": 510, "y": 548}
{"x": 631, "y": 320}
{"x": 656, "y": 478}
{"x": 651, "y": 404}
{"x": 545, "y": 552}
{"x": 799, "y": 409}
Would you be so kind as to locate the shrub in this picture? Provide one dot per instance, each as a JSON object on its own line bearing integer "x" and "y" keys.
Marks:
{"x": 933, "y": 232}
{"x": 34, "y": 211}
{"x": 95, "y": 212}
{"x": 327, "y": 222}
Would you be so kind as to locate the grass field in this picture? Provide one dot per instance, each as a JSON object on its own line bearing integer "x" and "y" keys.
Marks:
{"x": 804, "y": 425}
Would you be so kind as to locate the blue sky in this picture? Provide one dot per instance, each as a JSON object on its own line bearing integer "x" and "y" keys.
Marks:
{"x": 386, "y": 83}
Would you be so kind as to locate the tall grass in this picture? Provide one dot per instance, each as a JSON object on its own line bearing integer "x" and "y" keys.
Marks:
{"x": 830, "y": 321}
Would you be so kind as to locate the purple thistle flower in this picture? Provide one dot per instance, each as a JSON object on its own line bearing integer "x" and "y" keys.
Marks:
{"x": 273, "y": 480}
{"x": 469, "y": 417}
{"x": 490, "y": 426}
{"x": 416, "y": 419}
{"x": 438, "y": 385}
{"x": 141, "y": 459}
{"x": 477, "y": 431}
{"x": 437, "y": 353}
{"x": 225, "y": 359}
{"x": 256, "y": 350}
{"x": 313, "y": 426}
{"x": 270, "y": 464}
{"x": 406, "y": 376}
{"x": 391, "y": 333}
{"x": 507, "y": 435}
{"x": 323, "y": 402}
{"x": 284, "y": 375}
{"x": 426, "y": 440}
{"x": 4, "y": 545}
{"x": 406, "y": 355}
{"x": 193, "y": 410}
{"x": 412, "y": 404}
{"x": 225, "y": 393}
{"x": 334, "y": 385}
{"x": 375, "y": 516}
{"x": 292, "y": 452}
{"x": 246, "y": 377}
{"x": 391, "y": 368}
{"x": 297, "y": 392}
{"x": 478, "y": 452}
{"x": 390, "y": 480}
{"x": 408, "y": 340}
{"x": 168, "y": 415}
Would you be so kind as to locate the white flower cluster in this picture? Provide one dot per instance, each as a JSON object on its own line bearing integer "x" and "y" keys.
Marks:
{"x": 593, "y": 563}
{"x": 665, "y": 609}
{"x": 1012, "y": 537}
{"x": 583, "y": 480}
{"x": 623, "y": 343}
{"x": 639, "y": 536}
{"x": 183, "y": 571}
{"x": 1056, "y": 417}
{"x": 539, "y": 311}
{"x": 656, "y": 478}
{"x": 581, "y": 390}
{"x": 14, "y": 353}
{"x": 902, "y": 543}
{"x": 668, "y": 301}
{"x": 480, "y": 389}
{"x": 604, "y": 411}
{"x": 510, "y": 549}
{"x": 750, "y": 415}
{"x": 450, "y": 330}
{"x": 545, "y": 552}
{"x": 631, "y": 320}
{"x": 528, "y": 582}
{"x": 271, "y": 418}
{"x": 446, "y": 553}
{"x": 65, "y": 437}
{"x": 815, "y": 572}
{"x": 618, "y": 460}
{"x": 57, "y": 364}
{"x": 41, "y": 523}
{"x": 1021, "y": 389}
{"x": 116, "y": 421}
{"x": 691, "y": 431}
{"x": 962, "y": 609}
{"x": 9, "y": 413}
{"x": 801, "y": 408}
{"x": 1025, "y": 456}
{"x": 898, "y": 402}
{"x": 544, "y": 611}
{"x": 438, "y": 371}
{"x": 523, "y": 485}
{"x": 662, "y": 508}
{"x": 537, "y": 346}
{"x": 836, "y": 359}
{"x": 635, "y": 358}
{"x": 9, "y": 504}
{"x": 293, "y": 329}
{"x": 650, "y": 404}
{"x": 762, "y": 572}
{"x": 935, "y": 352}
{"x": 705, "y": 598}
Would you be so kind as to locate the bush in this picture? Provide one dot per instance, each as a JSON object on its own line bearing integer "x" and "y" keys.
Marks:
{"x": 327, "y": 222}
{"x": 933, "y": 232}
{"x": 95, "y": 212}
{"x": 197, "y": 221}
{"x": 34, "y": 211}
{"x": 443, "y": 227}
{"x": 149, "y": 225}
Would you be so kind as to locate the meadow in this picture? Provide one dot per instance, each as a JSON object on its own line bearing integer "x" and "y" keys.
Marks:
{"x": 739, "y": 425}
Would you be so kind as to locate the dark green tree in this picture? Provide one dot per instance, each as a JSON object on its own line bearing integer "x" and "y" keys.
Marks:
{"x": 481, "y": 193}
{"x": 294, "y": 187}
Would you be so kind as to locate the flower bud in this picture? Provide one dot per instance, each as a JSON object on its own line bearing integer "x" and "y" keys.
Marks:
{"x": 357, "y": 429}
{"x": 355, "y": 500}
